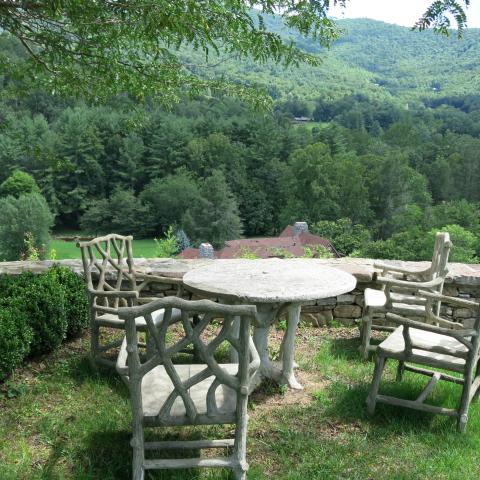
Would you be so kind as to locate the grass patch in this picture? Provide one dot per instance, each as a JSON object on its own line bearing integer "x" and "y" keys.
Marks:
{"x": 311, "y": 125}
{"x": 61, "y": 420}
{"x": 144, "y": 248}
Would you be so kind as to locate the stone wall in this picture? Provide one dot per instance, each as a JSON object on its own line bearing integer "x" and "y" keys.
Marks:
{"x": 463, "y": 281}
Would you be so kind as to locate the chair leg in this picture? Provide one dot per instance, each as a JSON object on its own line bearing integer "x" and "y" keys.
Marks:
{"x": 239, "y": 474}
{"x": 360, "y": 326}
{"x": 94, "y": 345}
{"x": 240, "y": 467}
{"x": 400, "y": 370}
{"x": 366, "y": 332}
{"x": 377, "y": 375}
{"x": 138, "y": 474}
{"x": 464, "y": 403}
{"x": 137, "y": 442}
{"x": 477, "y": 392}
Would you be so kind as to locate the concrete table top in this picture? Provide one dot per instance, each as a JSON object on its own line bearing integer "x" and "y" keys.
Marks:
{"x": 270, "y": 280}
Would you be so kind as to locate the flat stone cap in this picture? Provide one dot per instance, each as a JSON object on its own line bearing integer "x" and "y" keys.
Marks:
{"x": 361, "y": 268}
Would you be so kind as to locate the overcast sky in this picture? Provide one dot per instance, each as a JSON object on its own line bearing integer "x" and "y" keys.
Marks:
{"x": 402, "y": 12}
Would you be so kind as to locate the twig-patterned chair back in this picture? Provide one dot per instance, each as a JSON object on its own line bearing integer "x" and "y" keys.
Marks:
{"x": 441, "y": 251}
{"x": 107, "y": 264}
{"x": 166, "y": 393}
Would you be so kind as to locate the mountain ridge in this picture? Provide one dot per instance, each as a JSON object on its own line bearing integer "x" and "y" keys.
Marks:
{"x": 382, "y": 60}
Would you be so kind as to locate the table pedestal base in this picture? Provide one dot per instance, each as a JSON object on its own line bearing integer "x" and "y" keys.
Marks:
{"x": 266, "y": 316}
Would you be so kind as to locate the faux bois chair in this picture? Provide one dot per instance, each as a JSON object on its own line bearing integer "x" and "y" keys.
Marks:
{"x": 113, "y": 282}
{"x": 447, "y": 345}
{"x": 164, "y": 393}
{"x": 399, "y": 291}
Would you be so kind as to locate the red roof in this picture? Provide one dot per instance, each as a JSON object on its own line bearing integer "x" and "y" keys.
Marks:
{"x": 287, "y": 232}
{"x": 284, "y": 245}
{"x": 189, "y": 253}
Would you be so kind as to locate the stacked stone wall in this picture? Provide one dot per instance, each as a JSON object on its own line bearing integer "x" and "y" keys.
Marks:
{"x": 463, "y": 281}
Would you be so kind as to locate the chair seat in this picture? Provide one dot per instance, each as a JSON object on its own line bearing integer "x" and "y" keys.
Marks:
{"x": 394, "y": 347}
{"x": 111, "y": 320}
{"x": 157, "y": 386}
{"x": 378, "y": 299}
{"x": 375, "y": 298}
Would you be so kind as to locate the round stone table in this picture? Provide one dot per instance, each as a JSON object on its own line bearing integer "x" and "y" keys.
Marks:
{"x": 272, "y": 285}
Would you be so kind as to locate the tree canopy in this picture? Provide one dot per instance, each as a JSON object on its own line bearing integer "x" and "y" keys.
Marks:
{"x": 108, "y": 47}
{"x": 101, "y": 48}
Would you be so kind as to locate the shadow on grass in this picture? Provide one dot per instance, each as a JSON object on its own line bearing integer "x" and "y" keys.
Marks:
{"x": 345, "y": 348}
{"x": 108, "y": 456}
{"x": 348, "y": 402}
{"x": 349, "y": 348}
{"x": 80, "y": 370}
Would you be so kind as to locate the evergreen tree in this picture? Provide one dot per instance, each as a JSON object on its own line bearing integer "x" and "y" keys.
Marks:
{"x": 22, "y": 218}
{"x": 127, "y": 214}
{"x": 168, "y": 198}
{"x": 214, "y": 218}
{"x": 96, "y": 218}
{"x": 130, "y": 160}
{"x": 78, "y": 175}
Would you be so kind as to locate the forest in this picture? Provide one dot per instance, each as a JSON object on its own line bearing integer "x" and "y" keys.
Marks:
{"x": 390, "y": 155}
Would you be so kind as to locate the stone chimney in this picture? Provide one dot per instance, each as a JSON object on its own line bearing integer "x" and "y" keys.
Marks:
{"x": 299, "y": 227}
{"x": 206, "y": 251}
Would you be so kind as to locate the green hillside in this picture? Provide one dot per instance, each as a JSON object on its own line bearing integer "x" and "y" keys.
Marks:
{"x": 411, "y": 64}
{"x": 372, "y": 57}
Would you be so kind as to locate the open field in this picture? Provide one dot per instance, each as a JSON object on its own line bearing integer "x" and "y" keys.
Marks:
{"x": 65, "y": 421}
{"x": 64, "y": 250}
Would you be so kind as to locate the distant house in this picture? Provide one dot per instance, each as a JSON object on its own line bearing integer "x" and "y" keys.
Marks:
{"x": 293, "y": 241}
{"x": 302, "y": 119}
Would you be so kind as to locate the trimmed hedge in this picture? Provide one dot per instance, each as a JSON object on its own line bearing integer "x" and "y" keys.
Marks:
{"x": 37, "y": 312}
{"x": 76, "y": 302}
{"x": 15, "y": 337}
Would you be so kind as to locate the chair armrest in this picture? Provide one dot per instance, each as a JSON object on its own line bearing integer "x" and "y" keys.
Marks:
{"x": 148, "y": 279}
{"x": 397, "y": 269}
{"x": 121, "y": 365}
{"x": 393, "y": 282}
{"x": 158, "y": 278}
{"x": 114, "y": 294}
{"x": 458, "y": 334}
{"x": 459, "y": 302}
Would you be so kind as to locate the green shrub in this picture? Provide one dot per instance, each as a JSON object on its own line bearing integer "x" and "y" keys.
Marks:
{"x": 42, "y": 301}
{"x": 12, "y": 285}
{"x": 166, "y": 247}
{"x": 76, "y": 301}
{"x": 15, "y": 337}
{"x": 345, "y": 236}
{"x": 37, "y": 312}
{"x": 45, "y": 305}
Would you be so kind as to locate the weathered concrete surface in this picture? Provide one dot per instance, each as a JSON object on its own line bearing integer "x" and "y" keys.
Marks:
{"x": 269, "y": 280}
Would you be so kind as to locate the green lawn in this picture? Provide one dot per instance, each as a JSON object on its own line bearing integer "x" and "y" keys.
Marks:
{"x": 64, "y": 250}
{"x": 311, "y": 125}
{"x": 67, "y": 422}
